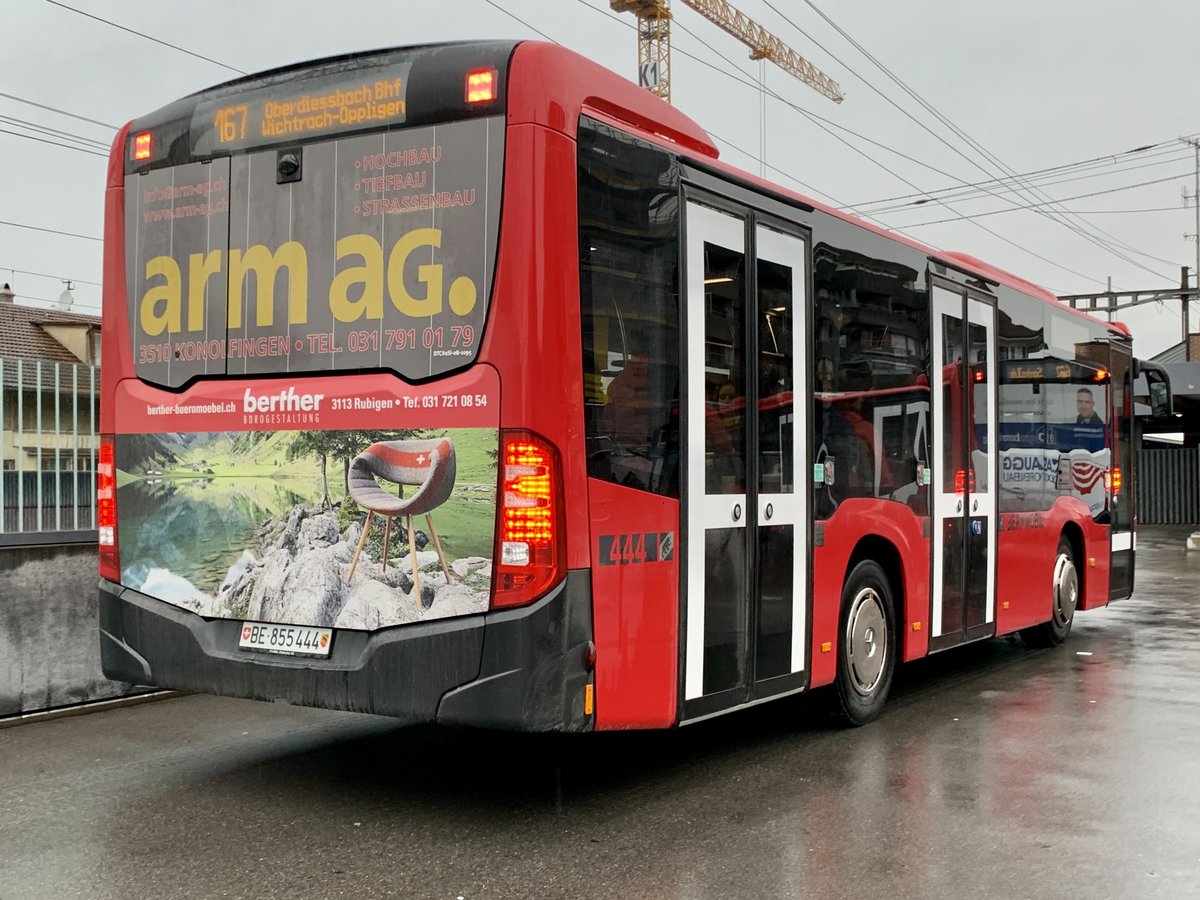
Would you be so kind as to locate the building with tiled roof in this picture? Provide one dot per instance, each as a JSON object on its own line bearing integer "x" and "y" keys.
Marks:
{"x": 49, "y": 375}
{"x": 47, "y": 334}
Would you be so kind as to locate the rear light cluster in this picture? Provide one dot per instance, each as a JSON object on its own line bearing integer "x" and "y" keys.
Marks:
{"x": 532, "y": 552}
{"x": 106, "y": 510}
{"x": 1115, "y": 480}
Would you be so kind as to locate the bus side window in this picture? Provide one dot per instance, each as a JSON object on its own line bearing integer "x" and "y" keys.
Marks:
{"x": 628, "y": 276}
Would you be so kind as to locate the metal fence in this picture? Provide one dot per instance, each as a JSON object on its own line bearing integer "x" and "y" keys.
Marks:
{"x": 1168, "y": 486}
{"x": 49, "y": 438}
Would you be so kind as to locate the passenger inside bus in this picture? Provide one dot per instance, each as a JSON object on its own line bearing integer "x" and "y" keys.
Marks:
{"x": 629, "y": 404}
{"x": 852, "y": 440}
{"x": 637, "y": 441}
{"x": 723, "y": 441}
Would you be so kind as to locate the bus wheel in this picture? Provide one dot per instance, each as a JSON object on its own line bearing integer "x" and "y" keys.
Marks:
{"x": 866, "y": 650}
{"x": 1066, "y": 597}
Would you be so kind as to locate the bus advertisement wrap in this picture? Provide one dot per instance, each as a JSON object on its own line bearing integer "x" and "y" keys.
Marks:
{"x": 375, "y": 251}
{"x": 1052, "y": 442}
{"x": 268, "y": 525}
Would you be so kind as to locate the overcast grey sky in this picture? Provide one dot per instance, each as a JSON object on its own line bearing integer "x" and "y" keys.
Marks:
{"x": 1039, "y": 85}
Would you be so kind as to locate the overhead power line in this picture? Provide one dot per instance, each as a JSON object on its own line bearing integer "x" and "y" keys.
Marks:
{"x": 55, "y": 109}
{"x": 1044, "y": 177}
{"x": 47, "y": 275}
{"x": 1110, "y": 246}
{"x": 1125, "y": 212}
{"x": 86, "y": 237}
{"x": 821, "y": 123}
{"x": 996, "y": 212}
{"x": 517, "y": 18}
{"x": 54, "y": 132}
{"x": 75, "y": 304}
{"x": 814, "y": 118}
{"x": 192, "y": 53}
{"x": 42, "y": 140}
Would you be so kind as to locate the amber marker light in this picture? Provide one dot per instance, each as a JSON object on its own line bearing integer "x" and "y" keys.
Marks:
{"x": 142, "y": 144}
{"x": 481, "y": 86}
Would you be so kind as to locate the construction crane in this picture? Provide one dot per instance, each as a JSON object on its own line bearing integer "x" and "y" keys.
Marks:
{"x": 654, "y": 44}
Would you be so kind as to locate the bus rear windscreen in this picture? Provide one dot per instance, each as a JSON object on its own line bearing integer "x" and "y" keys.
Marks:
{"x": 372, "y": 251}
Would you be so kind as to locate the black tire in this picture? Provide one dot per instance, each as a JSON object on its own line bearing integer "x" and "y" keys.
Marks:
{"x": 1064, "y": 587}
{"x": 866, "y": 658}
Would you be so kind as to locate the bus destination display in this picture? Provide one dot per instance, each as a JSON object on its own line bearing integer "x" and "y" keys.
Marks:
{"x": 327, "y": 105}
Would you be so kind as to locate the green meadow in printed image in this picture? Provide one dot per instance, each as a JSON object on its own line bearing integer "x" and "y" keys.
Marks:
{"x": 269, "y": 526}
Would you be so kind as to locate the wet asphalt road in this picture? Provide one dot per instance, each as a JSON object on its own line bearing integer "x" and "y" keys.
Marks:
{"x": 996, "y": 772}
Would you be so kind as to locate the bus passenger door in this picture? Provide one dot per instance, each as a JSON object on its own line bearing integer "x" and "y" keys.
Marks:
{"x": 745, "y": 540}
{"x": 781, "y": 422}
{"x": 965, "y": 513}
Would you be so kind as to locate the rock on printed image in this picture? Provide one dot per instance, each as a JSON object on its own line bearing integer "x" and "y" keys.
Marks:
{"x": 301, "y": 579}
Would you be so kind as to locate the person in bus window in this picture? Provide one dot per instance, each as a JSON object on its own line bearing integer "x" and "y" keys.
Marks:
{"x": 1085, "y": 408}
{"x": 858, "y": 448}
{"x": 723, "y": 441}
{"x": 630, "y": 404}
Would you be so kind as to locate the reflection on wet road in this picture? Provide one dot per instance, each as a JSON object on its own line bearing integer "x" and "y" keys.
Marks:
{"x": 996, "y": 772}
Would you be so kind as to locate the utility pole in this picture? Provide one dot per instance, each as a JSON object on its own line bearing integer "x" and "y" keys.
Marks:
{"x": 1195, "y": 198}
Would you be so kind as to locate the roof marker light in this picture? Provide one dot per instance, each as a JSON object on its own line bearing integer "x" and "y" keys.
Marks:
{"x": 481, "y": 86}
{"x": 142, "y": 146}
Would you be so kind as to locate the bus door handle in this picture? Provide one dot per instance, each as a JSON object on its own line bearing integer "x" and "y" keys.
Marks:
{"x": 974, "y": 506}
{"x": 960, "y": 506}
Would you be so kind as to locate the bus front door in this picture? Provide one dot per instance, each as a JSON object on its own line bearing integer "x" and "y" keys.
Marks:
{"x": 964, "y": 462}
{"x": 745, "y": 544}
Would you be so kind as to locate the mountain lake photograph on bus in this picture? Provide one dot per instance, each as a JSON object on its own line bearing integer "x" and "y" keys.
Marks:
{"x": 268, "y": 526}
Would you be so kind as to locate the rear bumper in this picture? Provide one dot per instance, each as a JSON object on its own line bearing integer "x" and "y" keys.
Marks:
{"x": 519, "y": 669}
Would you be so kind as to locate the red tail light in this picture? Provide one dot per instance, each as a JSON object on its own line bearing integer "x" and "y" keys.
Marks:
{"x": 1115, "y": 480}
{"x": 531, "y": 552}
{"x": 106, "y": 510}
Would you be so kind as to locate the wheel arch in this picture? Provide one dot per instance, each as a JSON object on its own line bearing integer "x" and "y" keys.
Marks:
{"x": 887, "y": 555}
{"x": 1074, "y": 535}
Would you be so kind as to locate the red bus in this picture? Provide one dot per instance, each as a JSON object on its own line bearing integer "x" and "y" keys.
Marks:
{"x": 465, "y": 383}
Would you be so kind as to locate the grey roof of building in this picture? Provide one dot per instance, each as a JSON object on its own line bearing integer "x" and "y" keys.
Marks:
{"x": 1171, "y": 355}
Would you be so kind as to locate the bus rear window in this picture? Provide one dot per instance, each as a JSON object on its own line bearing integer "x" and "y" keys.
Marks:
{"x": 374, "y": 251}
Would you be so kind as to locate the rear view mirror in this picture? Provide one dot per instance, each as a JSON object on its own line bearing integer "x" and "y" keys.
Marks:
{"x": 1158, "y": 386}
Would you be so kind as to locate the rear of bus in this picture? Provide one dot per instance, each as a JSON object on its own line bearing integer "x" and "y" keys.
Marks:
{"x": 323, "y": 478}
